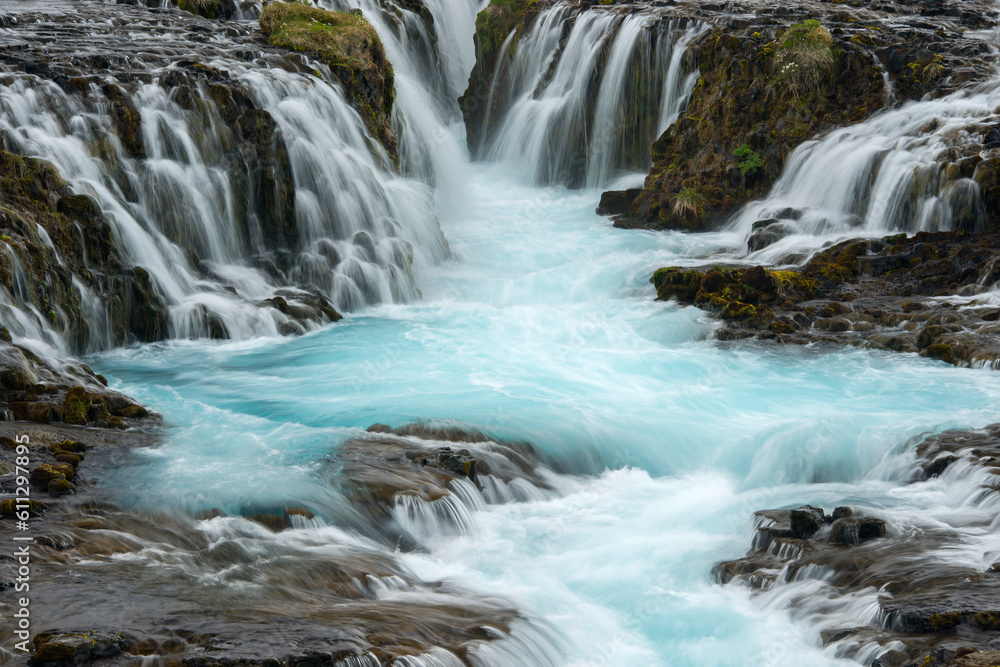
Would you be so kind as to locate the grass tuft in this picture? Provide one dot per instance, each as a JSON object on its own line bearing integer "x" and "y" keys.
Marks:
{"x": 804, "y": 59}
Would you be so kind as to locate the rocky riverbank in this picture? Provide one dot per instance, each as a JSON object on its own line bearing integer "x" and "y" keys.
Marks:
{"x": 932, "y": 609}
{"x": 324, "y": 599}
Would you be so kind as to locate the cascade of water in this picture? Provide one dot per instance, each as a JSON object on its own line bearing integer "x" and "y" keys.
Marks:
{"x": 216, "y": 236}
{"x": 897, "y": 171}
{"x": 431, "y": 60}
{"x": 583, "y": 110}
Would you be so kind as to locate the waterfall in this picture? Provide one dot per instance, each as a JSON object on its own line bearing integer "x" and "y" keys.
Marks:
{"x": 431, "y": 59}
{"x": 585, "y": 109}
{"x": 317, "y": 212}
{"x": 908, "y": 169}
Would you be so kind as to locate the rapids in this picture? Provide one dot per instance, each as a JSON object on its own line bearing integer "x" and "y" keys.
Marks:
{"x": 557, "y": 341}
{"x": 485, "y": 298}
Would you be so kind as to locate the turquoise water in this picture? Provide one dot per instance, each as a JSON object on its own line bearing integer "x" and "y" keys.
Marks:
{"x": 542, "y": 326}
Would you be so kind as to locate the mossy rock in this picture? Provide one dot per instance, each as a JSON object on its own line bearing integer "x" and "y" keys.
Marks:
{"x": 737, "y": 295}
{"x": 207, "y": 8}
{"x": 9, "y": 507}
{"x": 71, "y": 446}
{"x": 76, "y": 406}
{"x": 675, "y": 282}
{"x": 941, "y": 351}
{"x": 987, "y": 620}
{"x": 65, "y": 649}
{"x": 45, "y": 473}
{"x": 744, "y": 118}
{"x": 779, "y": 327}
{"x": 944, "y": 622}
{"x": 61, "y": 487}
{"x": 134, "y": 412}
{"x": 350, "y": 47}
{"x": 71, "y": 459}
{"x": 15, "y": 379}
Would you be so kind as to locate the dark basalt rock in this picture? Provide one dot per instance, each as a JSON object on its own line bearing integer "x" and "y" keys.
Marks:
{"x": 860, "y": 292}
{"x": 617, "y": 202}
{"x": 806, "y": 521}
{"x": 850, "y": 531}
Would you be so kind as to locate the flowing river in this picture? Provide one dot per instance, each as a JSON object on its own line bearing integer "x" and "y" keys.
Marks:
{"x": 543, "y": 327}
{"x": 535, "y": 321}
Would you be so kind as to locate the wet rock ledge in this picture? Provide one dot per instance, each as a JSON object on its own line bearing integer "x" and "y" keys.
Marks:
{"x": 112, "y": 585}
{"x": 915, "y": 293}
{"x": 924, "y": 606}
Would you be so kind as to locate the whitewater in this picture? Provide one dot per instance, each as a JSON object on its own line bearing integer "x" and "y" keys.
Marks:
{"x": 543, "y": 328}
{"x": 526, "y": 315}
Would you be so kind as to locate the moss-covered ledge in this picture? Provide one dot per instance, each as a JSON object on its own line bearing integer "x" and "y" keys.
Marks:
{"x": 347, "y": 44}
{"x": 789, "y": 75}
{"x": 758, "y": 97}
{"x": 878, "y": 293}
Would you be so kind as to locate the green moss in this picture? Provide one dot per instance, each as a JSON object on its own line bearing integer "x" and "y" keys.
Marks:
{"x": 781, "y": 328}
{"x": 350, "y": 46}
{"x": 207, "y": 8}
{"x": 675, "y": 282}
{"x": 987, "y": 620}
{"x": 134, "y": 412}
{"x": 793, "y": 281}
{"x": 9, "y": 507}
{"x": 341, "y": 37}
{"x": 946, "y": 621}
{"x": 71, "y": 446}
{"x": 941, "y": 351}
{"x": 496, "y": 22}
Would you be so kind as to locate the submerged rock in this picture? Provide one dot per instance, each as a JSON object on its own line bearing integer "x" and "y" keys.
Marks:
{"x": 423, "y": 461}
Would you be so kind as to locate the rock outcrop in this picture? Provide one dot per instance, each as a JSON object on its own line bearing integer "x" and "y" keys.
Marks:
{"x": 311, "y": 602}
{"x": 418, "y": 465}
{"x": 53, "y": 238}
{"x": 789, "y": 75}
{"x": 64, "y": 264}
{"x": 905, "y": 293}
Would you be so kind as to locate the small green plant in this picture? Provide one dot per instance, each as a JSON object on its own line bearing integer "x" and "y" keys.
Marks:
{"x": 749, "y": 160}
{"x": 688, "y": 201}
{"x": 804, "y": 59}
